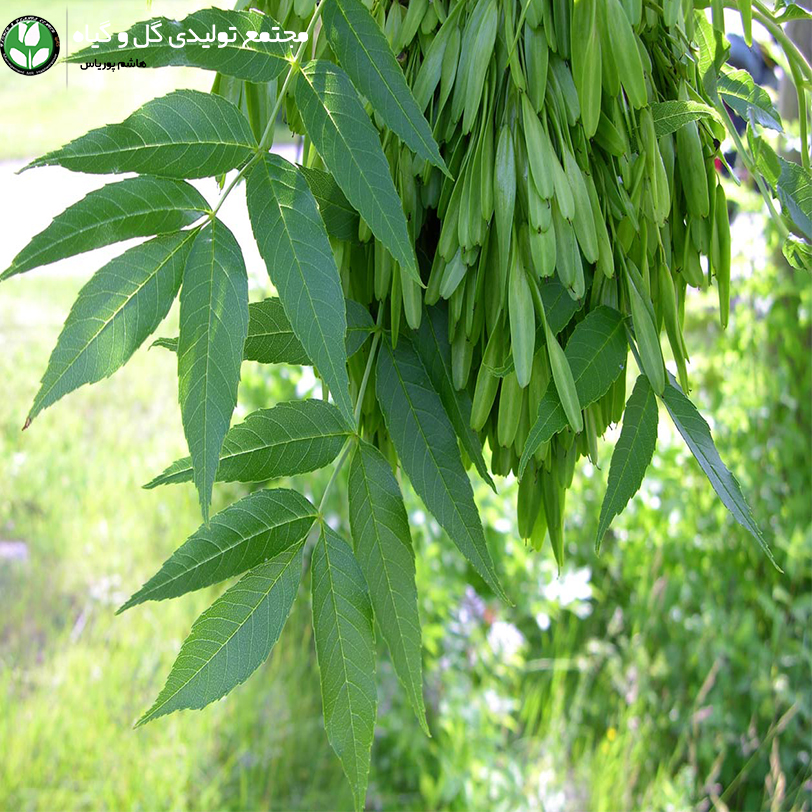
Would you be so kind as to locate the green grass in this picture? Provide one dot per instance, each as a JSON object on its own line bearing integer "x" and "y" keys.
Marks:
{"x": 73, "y": 677}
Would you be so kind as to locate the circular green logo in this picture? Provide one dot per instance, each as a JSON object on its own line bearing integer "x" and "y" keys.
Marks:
{"x": 29, "y": 45}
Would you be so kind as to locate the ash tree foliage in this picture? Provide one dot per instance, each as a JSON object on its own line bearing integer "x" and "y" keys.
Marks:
{"x": 500, "y": 203}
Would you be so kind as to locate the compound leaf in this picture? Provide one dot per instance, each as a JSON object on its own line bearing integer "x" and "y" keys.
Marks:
{"x": 114, "y": 313}
{"x": 345, "y": 651}
{"x": 364, "y": 53}
{"x": 740, "y": 92}
{"x": 632, "y": 454}
{"x": 241, "y": 57}
{"x": 233, "y": 637}
{"x": 258, "y": 527}
{"x": 383, "y": 548}
{"x": 213, "y": 327}
{"x": 349, "y": 145}
{"x": 427, "y": 447}
{"x": 135, "y": 207}
{"x": 669, "y": 116}
{"x": 185, "y": 134}
{"x": 289, "y": 439}
{"x": 294, "y": 244}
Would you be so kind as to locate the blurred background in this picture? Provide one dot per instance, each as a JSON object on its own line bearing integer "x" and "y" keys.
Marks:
{"x": 671, "y": 672}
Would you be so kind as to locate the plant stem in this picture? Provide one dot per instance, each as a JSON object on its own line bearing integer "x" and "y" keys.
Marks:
{"x": 357, "y": 414}
{"x": 264, "y": 142}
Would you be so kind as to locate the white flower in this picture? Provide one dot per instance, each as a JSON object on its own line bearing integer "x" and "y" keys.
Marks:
{"x": 505, "y": 639}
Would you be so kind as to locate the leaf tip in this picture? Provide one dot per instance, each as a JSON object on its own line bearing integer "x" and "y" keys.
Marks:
{"x": 27, "y": 422}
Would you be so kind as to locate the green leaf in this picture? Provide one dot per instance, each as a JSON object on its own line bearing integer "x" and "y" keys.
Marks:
{"x": 213, "y": 327}
{"x": 669, "y": 116}
{"x": 742, "y": 94}
{"x": 349, "y": 145}
{"x": 559, "y": 306}
{"x": 431, "y": 343}
{"x": 798, "y": 253}
{"x": 364, "y": 53}
{"x": 345, "y": 651}
{"x": 696, "y": 433}
{"x": 383, "y": 548}
{"x": 427, "y": 447}
{"x": 233, "y": 637}
{"x": 632, "y": 454}
{"x": 709, "y": 54}
{"x": 114, "y": 313}
{"x": 271, "y": 339}
{"x": 242, "y": 57}
{"x": 185, "y": 134}
{"x": 294, "y": 244}
{"x": 597, "y": 353}
{"x": 289, "y": 439}
{"x": 794, "y": 189}
{"x": 340, "y": 218}
{"x": 250, "y": 532}
{"x": 135, "y": 207}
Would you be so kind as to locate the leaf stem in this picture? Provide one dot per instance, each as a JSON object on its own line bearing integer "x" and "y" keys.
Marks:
{"x": 264, "y": 142}
{"x": 358, "y": 404}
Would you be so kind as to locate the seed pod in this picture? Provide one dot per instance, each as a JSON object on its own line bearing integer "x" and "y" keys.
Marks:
{"x": 618, "y": 35}
{"x": 692, "y": 170}
{"x": 673, "y": 328}
{"x": 486, "y": 173}
{"x": 722, "y": 268}
{"x": 564, "y": 382}
{"x": 383, "y": 271}
{"x": 543, "y": 251}
{"x": 452, "y": 275}
{"x": 536, "y": 58}
{"x": 568, "y": 257}
{"x": 563, "y": 190}
{"x": 583, "y": 222}
{"x": 647, "y": 339}
{"x": 540, "y": 154}
{"x": 412, "y": 300}
{"x": 522, "y": 320}
{"x": 586, "y": 62}
{"x": 539, "y": 210}
{"x": 395, "y": 304}
{"x": 486, "y": 383}
{"x": 528, "y": 501}
{"x": 415, "y": 10}
{"x": 510, "y": 408}
{"x": 448, "y": 72}
{"x": 561, "y": 76}
{"x": 552, "y": 500}
{"x": 504, "y": 185}
{"x": 478, "y": 65}
{"x": 462, "y": 352}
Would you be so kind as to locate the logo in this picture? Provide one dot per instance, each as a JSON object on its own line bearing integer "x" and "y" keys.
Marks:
{"x": 29, "y": 45}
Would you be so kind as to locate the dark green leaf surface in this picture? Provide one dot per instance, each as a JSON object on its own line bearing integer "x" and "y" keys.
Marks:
{"x": 345, "y": 650}
{"x": 260, "y": 526}
{"x": 271, "y": 340}
{"x": 289, "y": 439}
{"x": 244, "y": 58}
{"x": 135, "y": 207}
{"x": 742, "y": 94}
{"x": 213, "y": 327}
{"x": 431, "y": 343}
{"x": 294, "y": 244}
{"x": 696, "y": 433}
{"x": 427, "y": 447}
{"x": 185, "y": 134}
{"x": 559, "y": 306}
{"x": 340, "y": 218}
{"x": 383, "y": 548}
{"x": 632, "y": 454}
{"x": 596, "y": 352}
{"x": 233, "y": 637}
{"x": 114, "y": 313}
{"x": 364, "y": 53}
{"x": 349, "y": 145}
